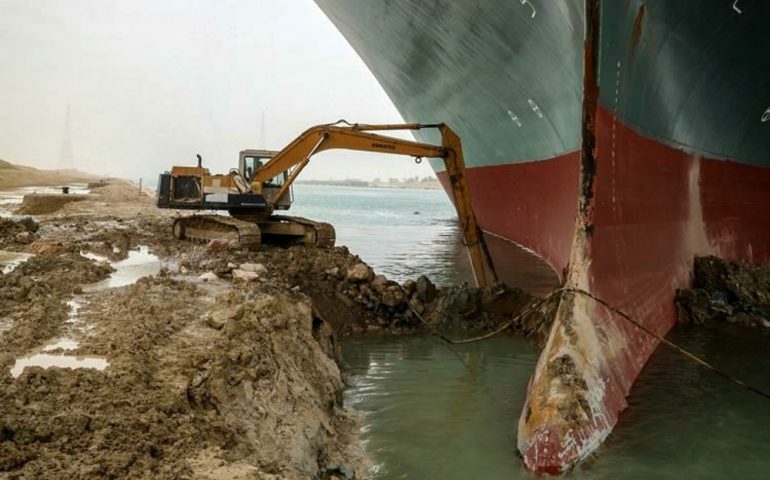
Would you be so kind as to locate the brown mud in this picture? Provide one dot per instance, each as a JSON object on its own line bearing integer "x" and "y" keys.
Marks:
{"x": 223, "y": 365}
{"x": 734, "y": 292}
{"x": 40, "y": 203}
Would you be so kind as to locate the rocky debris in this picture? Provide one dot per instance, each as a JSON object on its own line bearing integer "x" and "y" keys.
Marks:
{"x": 360, "y": 272}
{"x": 20, "y": 231}
{"x": 348, "y": 294}
{"x": 257, "y": 268}
{"x": 734, "y": 292}
{"x": 9, "y": 228}
{"x": 24, "y": 238}
{"x": 208, "y": 277}
{"x": 244, "y": 275}
{"x": 28, "y": 223}
{"x": 220, "y": 245}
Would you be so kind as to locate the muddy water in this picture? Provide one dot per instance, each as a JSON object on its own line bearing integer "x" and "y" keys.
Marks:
{"x": 427, "y": 415}
{"x": 139, "y": 263}
{"x": 47, "y": 360}
{"x": 404, "y": 233}
{"x": 11, "y": 199}
{"x": 10, "y": 260}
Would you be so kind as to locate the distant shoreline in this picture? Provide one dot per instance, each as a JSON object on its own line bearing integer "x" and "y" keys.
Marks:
{"x": 18, "y": 176}
{"x": 414, "y": 185}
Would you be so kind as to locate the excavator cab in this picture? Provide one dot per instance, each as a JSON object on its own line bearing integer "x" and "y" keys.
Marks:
{"x": 252, "y": 160}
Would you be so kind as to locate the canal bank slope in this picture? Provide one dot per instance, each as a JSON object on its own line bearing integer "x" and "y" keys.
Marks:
{"x": 196, "y": 361}
{"x": 184, "y": 377}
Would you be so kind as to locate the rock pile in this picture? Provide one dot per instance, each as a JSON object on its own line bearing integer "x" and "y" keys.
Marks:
{"x": 734, "y": 292}
{"x": 348, "y": 294}
{"x": 21, "y": 231}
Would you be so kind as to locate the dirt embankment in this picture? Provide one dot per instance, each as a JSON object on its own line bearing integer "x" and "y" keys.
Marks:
{"x": 733, "y": 292}
{"x": 223, "y": 365}
{"x": 13, "y": 176}
{"x": 42, "y": 203}
{"x": 206, "y": 379}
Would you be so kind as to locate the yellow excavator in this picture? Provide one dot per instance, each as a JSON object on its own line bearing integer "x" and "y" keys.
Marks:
{"x": 262, "y": 185}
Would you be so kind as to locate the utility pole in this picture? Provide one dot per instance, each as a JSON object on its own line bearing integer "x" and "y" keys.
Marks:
{"x": 262, "y": 131}
{"x": 65, "y": 154}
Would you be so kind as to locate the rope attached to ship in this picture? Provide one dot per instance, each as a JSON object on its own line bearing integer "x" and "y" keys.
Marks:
{"x": 537, "y": 304}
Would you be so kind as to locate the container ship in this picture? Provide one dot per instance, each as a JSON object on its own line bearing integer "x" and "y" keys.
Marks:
{"x": 608, "y": 143}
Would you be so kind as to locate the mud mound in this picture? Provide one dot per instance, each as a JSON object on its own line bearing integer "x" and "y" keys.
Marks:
{"x": 734, "y": 292}
{"x": 9, "y": 228}
{"x": 34, "y": 296}
{"x": 250, "y": 394}
{"x": 42, "y": 203}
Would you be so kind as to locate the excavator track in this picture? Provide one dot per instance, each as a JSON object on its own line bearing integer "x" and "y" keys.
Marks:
{"x": 205, "y": 228}
{"x": 319, "y": 234}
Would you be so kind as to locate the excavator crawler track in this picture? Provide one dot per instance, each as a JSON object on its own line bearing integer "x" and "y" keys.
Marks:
{"x": 320, "y": 234}
{"x": 204, "y": 228}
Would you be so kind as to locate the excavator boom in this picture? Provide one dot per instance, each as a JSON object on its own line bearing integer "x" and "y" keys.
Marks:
{"x": 359, "y": 137}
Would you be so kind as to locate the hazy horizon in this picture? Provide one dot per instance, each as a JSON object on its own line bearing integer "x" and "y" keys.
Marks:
{"x": 150, "y": 84}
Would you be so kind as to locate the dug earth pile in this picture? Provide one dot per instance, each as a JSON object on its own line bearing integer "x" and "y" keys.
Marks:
{"x": 722, "y": 291}
{"x": 221, "y": 363}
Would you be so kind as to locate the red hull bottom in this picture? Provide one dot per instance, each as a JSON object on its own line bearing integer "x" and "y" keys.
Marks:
{"x": 527, "y": 212}
{"x": 656, "y": 207}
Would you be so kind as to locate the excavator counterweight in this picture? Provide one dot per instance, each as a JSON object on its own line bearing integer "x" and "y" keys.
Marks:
{"x": 263, "y": 183}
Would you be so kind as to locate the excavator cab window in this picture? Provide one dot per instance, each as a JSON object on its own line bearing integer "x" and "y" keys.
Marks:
{"x": 250, "y": 165}
{"x": 277, "y": 180}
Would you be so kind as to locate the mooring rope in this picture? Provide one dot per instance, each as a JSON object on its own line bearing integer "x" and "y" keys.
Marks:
{"x": 536, "y": 304}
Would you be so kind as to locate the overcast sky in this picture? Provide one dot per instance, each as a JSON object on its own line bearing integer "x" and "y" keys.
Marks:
{"x": 153, "y": 82}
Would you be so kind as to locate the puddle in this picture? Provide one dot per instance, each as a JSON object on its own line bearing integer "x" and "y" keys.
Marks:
{"x": 94, "y": 257}
{"x": 11, "y": 198}
{"x": 47, "y": 360}
{"x": 75, "y": 305}
{"x": 139, "y": 263}
{"x": 63, "y": 344}
{"x": 10, "y": 260}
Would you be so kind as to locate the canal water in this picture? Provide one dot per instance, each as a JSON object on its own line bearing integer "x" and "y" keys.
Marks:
{"x": 435, "y": 413}
{"x": 402, "y": 233}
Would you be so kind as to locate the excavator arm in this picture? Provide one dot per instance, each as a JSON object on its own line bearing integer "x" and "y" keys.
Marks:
{"x": 297, "y": 154}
